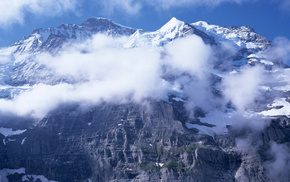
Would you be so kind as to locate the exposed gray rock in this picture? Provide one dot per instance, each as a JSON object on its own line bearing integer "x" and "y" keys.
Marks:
{"x": 118, "y": 142}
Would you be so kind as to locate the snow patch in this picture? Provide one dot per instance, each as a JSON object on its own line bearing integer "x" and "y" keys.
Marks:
{"x": 5, "y": 172}
{"x": 284, "y": 110}
{"x": 251, "y": 45}
{"x": 284, "y": 88}
{"x": 217, "y": 119}
{"x": 178, "y": 99}
{"x": 22, "y": 142}
{"x": 7, "y": 132}
{"x": 267, "y": 62}
{"x": 159, "y": 164}
{"x": 204, "y": 130}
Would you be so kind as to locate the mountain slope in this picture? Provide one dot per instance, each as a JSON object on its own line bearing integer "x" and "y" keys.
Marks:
{"x": 243, "y": 36}
{"x": 23, "y": 69}
{"x": 52, "y": 38}
{"x": 103, "y": 102}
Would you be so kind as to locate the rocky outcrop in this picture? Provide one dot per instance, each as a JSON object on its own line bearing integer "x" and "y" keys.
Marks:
{"x": 118, "y": 142}
{"x": 134, "y": 142}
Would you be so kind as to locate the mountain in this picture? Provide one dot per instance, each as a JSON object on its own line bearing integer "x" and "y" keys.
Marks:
{"x": 51, "y": 38}
{"x": 171, "y": 30}
{"x": 22, "y": 70}
{"x": 103, "y": 102}
{"x": 243, "y": 36}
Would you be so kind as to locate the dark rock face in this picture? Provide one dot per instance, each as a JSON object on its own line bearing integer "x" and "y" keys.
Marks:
{"x": 189, "y": 30}
{"x": 248, "y": 34}
{"x": 131, "y": 142}
{"x": 126, "y": 142}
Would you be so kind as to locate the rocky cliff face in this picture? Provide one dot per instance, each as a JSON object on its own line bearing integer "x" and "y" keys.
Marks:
{"x": 118, "y": 142}
{"x": 130, "y": 142}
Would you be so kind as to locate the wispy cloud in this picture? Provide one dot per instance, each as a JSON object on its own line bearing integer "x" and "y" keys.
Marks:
{"x": 242, "y": 88}
{"x": 279, "y": 166}
{"x": 98, "y": 71}
{"x": 168, "y": 4}
{"x": 130, "y": 7}
{"x": 284, "y": 4}
{"x": 15, "y": 11}
{"x": 133, "y": 7}
{"x": 280, "y": 51}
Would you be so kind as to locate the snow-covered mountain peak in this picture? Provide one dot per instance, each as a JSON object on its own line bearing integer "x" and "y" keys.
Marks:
{"x": 203, "y": 24}
{"x": 172, "y": 25}
{"x": 93, "y": 20}
{"x": 207, "y": 26}
{"x": 99, "y": 23}
{"x": 173, "y": 29}
{"x": 52, "y": 38}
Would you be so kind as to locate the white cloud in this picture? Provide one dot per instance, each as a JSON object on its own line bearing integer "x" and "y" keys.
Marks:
{"x": 242, "y": 88}
{"x": 105, "y": 72}
{"x": 133, "y": 7}
{"x": 283, "y": 4}
{"x": 36, "y": 102}
{"x": 280, "y": 51}
{"x": 188, "y": 59}
{"x": 100, "y": 69}
{"x": 190, "y": 55}
{"x": 130, "y": 7}
{"x": 14, "y": 11}
{"x": 278, "y": 168}
{"x": 167, "y": 4}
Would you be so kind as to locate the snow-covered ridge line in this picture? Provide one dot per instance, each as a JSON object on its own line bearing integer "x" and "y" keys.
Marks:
{"x": 172, "y": 30}
{"x": 53, "y": 36}
{"x": 242, "y": 36}
{"x": 5, "y": 172}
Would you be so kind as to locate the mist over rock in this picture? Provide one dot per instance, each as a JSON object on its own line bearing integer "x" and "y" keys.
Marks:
{"x": 103, "y": 102}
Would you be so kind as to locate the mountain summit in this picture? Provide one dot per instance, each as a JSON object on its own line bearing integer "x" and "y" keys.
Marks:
{"x": 104, "y": 102}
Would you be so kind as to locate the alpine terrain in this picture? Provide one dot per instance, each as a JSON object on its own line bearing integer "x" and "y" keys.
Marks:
{"x": 103, "y": 102}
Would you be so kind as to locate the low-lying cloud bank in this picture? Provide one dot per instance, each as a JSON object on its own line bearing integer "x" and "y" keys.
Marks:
{"x": 101, "y": 69}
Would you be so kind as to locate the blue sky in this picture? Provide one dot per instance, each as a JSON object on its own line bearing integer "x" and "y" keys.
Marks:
{"x": 270, "y": 18}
